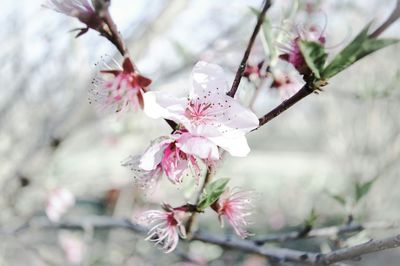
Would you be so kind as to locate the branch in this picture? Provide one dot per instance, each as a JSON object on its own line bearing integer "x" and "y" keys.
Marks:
{"x": 302, "y": 93}
{"x": 277, "y": 254}
{"x": 115, "y": 36}
{"x": 105, "y": 222}
{"x": 331, "y": 231}
{"x": 356, "y": 251}
{"x": 389, "y": 21}
{"x": 242, "y": 66}
{"x": 307, "y": 89}
{"x": 192, "y": 217}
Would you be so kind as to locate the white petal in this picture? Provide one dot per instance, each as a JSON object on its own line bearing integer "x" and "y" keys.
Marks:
{"x": 207, "y": 78}
{"x": 162, "y": 105}
{"x": 237, "y": 120}
{"x": 236, "y": 146}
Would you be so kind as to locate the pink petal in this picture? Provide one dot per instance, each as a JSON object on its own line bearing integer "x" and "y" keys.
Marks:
{"x": 153, "y": 155}
{"x": 198, "y": 146}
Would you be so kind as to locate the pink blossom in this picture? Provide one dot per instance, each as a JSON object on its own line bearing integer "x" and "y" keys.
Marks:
{"x": 175, "y": 154}
{"x": 165, "y": 227}
{"x": 207, "y": 112}
{"x": 291, "y": 50}
{"x": 58, "y": 203}
{"x": 253, "y": 70}
{"x": 235, "y": 206}
{"x": 287, "y": 84}
{"x": 80, "y": 9}
{"x": 119, "y": 89}
{"x": 73, "y": 248}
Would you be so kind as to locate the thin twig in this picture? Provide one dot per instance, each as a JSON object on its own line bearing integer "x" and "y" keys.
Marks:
{"x": 242, "y": 66}
{"x": 332, "y": 231}
{"x": 302, "y": 93}
{"x": 115, "y": 37}
{"x": 358, "y": 250}
{"x": 389, "y": 21}
{"x": 192, "y": 217}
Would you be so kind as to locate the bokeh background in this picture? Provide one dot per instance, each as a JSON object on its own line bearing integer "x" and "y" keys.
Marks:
{"x": 51, "y": 137}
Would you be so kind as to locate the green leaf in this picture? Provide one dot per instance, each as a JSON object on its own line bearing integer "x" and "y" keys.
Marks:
{"x": 338, "y": 198}
{"x": 361, "y": 46}
{"x": 315, "y": 56}
{"x": 312, "y": 218}
{"x": 268, "y": 40}
{"x": 181, "y": 50}
{"x": 362, "y": 189}
{"x": 255, "y": 11}
{"x": 212, "y": 192}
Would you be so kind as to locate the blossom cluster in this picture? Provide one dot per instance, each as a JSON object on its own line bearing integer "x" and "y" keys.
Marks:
{"x": 206, "y": 123}
{"x": 287, "y": 76}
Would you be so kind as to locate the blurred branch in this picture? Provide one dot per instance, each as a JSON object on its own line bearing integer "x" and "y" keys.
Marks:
{"x": 389, "y": 21}
{"x": 358, "y": 250}
{"x": 153, "y": 27}
{"x": 332, "y": 231}
{"x": 242, "y": 65}
{"x": 307, "y": 89}
{"x": 278, "y": 254}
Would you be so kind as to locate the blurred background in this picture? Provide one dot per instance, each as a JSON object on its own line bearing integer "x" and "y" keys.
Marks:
{"x": 311, "y": 157}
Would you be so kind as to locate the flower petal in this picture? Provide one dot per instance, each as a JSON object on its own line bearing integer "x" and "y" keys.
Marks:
{"x": 207, "y": 77}
{"x": 236, "y": 146}
{"x": 238, "y": 120}
{"x": 158, "y": 104}
{"x": 198, "y": 146}
{"x": 152, "y": 157}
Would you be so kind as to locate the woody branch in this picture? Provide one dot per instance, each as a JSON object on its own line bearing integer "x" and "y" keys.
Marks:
{"x": 230, "y": 242}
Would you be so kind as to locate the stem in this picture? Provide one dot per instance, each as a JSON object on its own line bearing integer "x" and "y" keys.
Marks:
{"x": 192, "y": 218}
{"x": 389, "y": 21}
{"x": 115, "y": 36}
{"x": 356, "y": 251}
{"x": 242, "y": 65}
{"x": 302, "y": 93}
{"x": 325, "y": 232}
